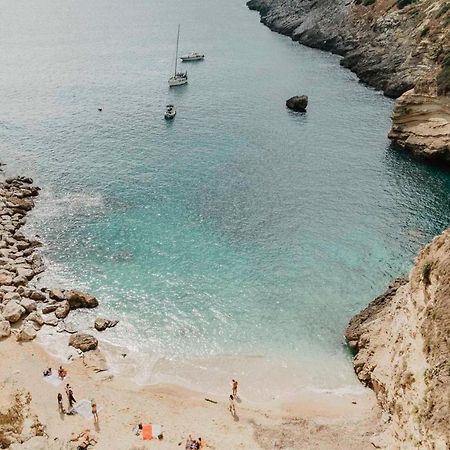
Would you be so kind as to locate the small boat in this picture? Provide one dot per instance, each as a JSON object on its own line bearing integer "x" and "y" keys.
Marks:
{"x": 194, "y": 56}
{"x": 178, "y": 78}
{"x": 170, "y": 113}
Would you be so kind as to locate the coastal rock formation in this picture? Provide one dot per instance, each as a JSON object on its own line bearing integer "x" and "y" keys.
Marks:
{"x": 394, "y": 46}
{"x": 20, "y": 264}
{"x": 403, "y": 350}
{"x": 79, "y": 299}
{"x": 13, "y": 311}
{"x": 298, "y": 103}
{"x": 83, "y": 342}
{"x": 103, "y": 324}
{"x": 421, "y": 124}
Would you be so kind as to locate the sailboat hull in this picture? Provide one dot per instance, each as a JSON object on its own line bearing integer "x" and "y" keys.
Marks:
{"x": 177, "y": 81}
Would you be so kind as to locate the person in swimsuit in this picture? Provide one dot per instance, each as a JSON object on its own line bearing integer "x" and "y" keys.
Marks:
{"x": 94, "y": 411}
{"x": 234, "y": 388}
{"x": 232, "y": 406}
{"x": 62, "y": 372}
{"x": 71, "y": 398}
{"x": 60, "y": 403}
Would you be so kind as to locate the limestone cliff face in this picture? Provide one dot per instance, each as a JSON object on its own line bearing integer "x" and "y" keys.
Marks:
{"x": 421, "y": 124}
{"x": 402, "y": 344}
{"x": 395, "y": 50}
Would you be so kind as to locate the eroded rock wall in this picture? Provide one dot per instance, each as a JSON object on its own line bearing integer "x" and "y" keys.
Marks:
{"x": 400, "y": 51}
{"x": 402, "y": 345}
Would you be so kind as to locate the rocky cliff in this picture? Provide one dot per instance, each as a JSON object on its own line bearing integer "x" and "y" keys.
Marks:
{"x": 397, "y": 46}
{"x": 402, "y": 345}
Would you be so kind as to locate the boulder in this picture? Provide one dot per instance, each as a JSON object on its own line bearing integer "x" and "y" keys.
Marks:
{"x": 13, "y": 311}
{"x": 51, "y": 321}
{"x": 47, "y": 309}
{"x": 6, "y": 279}
{"x": 103, "y": 324}
{"x": 56, "y": 294}
{"x": 25, "y": 204}
{"x": 26, "y": 333}
{"x": 23, "y": 272}
{"x": 298, "y": 103}
{"x": 62, "y": 310}
{"x": 83, "y": 342}
{"x": 5, "y": 329}
{"x": 28, "y": 304}
{"x": 79, "y": 299}
{"x": 20, "y": 280}
{"x": 37, "y": 263}
{"x": 36, "y": 318}
{"x": 38, "y": 295}
{"x": 11, "y": 296}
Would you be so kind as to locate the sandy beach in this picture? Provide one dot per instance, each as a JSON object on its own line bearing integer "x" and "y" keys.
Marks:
{"x": 316, "y": 421}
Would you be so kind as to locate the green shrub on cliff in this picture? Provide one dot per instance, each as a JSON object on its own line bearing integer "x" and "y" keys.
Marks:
{"x": 402, "y": 3}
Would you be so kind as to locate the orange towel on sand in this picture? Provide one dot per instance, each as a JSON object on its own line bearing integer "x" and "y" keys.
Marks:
{"x": 147, "y": 433}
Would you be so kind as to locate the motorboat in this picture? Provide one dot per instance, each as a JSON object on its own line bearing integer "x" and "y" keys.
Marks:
{"x": 194, "y": 56}
{"x": 170, "y": 113}
{"x": 178, "y": 78}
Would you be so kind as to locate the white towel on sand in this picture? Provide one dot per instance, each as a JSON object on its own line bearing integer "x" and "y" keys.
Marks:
{"x": 53, "y": 379}
{"x": 84, "y": 408}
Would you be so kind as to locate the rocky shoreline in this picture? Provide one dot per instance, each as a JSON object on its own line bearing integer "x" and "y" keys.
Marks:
{"x": 403, "y": 51}
{"x": 401, "y": 341}
{"x": 24, "y": 309}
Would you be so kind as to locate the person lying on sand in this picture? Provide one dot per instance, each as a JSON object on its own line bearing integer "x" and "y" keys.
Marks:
{"x": 188, "y": 443}
{"x": 86, "y": 440}
{"x": 62, "y": 373}
{"x": 47, "y": 372}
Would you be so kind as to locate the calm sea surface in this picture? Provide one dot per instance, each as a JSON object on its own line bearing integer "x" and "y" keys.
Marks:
{"x": 240, "y": 238}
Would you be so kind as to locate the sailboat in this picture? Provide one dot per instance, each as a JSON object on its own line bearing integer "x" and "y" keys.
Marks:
{"x": 178, "y": 78}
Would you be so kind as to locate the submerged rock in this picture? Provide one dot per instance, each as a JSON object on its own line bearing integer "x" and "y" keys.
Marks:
{"x": 103, "y": 324}
{"x": 62, "y": 310}
{"x": 298, "y": 103}
{"x": 83, "y": 342}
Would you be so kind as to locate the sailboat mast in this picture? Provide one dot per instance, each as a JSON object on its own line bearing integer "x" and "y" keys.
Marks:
{"x": 176, "y": 53}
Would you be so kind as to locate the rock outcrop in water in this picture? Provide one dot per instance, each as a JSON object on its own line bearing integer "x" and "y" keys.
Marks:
{"x": 398, "y": 47}
{"x": 298, "y": 103}
{"x": 402, "y": 344}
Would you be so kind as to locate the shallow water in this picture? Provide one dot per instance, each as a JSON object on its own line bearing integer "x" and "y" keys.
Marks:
{"x": 241, "y": 229}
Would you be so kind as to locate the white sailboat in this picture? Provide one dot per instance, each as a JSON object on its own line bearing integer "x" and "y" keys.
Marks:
{"x": 178, "y": 78}
{"x": 194, "y": 56}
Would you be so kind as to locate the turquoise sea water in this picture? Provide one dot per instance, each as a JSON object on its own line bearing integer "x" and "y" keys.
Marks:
{"x": 241, "y": 230}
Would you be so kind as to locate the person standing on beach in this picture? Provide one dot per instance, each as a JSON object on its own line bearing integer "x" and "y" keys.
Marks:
{"x": 71, "y": 398}
{"x": 60, "y": 403}
{"x": 234, "y": 388}
{"x": 94, "y": 411}
{"x": 232, "y": 406}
